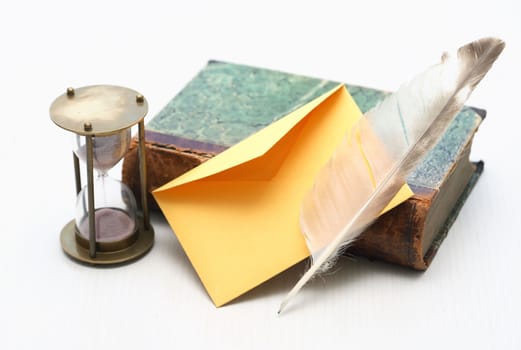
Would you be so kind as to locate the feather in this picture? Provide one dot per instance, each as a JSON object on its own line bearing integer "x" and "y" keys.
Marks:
{"x": 387, "y": 143}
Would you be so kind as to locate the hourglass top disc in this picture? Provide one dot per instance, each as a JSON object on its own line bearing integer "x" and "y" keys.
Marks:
{"x": 98, "y": 110}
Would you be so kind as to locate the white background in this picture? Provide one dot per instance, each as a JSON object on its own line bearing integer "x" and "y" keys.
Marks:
{"x": 469, "y": 298}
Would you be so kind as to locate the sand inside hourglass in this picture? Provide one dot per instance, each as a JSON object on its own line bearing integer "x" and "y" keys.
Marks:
{"x": 111, "y": 225}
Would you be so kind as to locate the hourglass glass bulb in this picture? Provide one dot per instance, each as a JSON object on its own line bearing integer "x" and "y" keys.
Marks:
{"x": 107, "y": 150}
{"x": 115, "y": 209}
{"x": 114, "y": 203}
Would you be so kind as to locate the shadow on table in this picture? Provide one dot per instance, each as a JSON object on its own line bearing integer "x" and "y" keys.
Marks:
{"x": 166, "y": 244}
{"x": 348, "y": 270}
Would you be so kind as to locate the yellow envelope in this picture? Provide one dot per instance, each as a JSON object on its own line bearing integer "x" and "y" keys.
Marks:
{"x": 236, "y": 215}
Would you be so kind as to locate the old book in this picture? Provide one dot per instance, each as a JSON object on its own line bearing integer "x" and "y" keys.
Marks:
{"x": 226, "y": 103}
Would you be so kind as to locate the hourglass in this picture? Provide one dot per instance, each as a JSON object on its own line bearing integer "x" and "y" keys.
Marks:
{"x": 108, "y": 228}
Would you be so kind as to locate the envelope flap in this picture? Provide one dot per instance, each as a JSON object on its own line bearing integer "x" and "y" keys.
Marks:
{"x": 251, "y": 148}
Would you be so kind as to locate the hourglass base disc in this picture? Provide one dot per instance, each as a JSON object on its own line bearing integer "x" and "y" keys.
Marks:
{"x": 72, "y": 248}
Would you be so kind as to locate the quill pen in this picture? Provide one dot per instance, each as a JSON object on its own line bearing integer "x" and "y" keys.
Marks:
{"x": 386, "y": 144}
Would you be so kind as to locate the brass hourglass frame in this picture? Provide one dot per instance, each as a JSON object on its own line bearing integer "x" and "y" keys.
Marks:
{"x": 98, "y": 111}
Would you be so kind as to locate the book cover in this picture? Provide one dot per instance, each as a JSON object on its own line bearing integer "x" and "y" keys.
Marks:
{"x": 225, "y": 103}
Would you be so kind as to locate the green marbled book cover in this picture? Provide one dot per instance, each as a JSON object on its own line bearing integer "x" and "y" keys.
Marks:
{"x": 225, "y": 103}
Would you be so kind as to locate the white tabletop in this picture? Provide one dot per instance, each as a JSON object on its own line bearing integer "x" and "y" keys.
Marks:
{"x": 469, "y": 297}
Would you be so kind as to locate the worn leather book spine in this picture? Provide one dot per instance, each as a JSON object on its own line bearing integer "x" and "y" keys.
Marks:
{"x": 194, "y": 127}
{"x": 411, "y": 234}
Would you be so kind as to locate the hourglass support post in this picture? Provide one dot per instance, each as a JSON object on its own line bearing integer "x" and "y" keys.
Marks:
{"x": 90, "y": 188}
{"x": 77, "y": 175}
{"x": 143, "y": 174}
